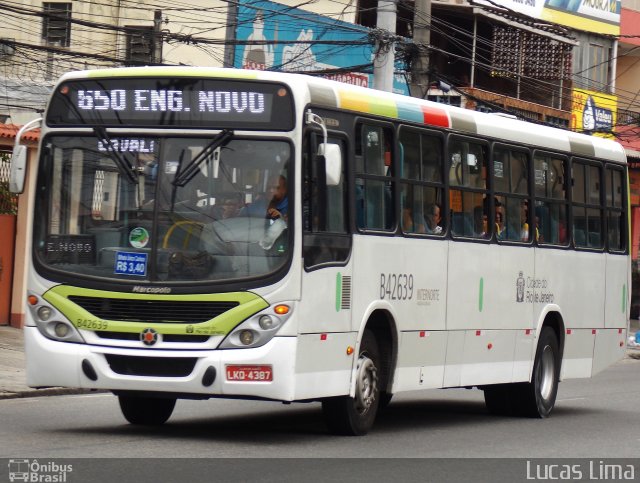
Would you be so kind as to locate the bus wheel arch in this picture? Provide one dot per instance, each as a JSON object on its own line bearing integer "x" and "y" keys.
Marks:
{"x": 536, "y": 398}
{"x": 383, "y": 326}
{"x": 354, "y": 414}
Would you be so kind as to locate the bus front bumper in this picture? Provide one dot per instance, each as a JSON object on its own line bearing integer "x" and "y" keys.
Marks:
{"x": 229, "y": 372}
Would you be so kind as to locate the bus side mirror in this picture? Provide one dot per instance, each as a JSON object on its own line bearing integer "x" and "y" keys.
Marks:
{"x": 333, "y": 162}
{"x": 18, "y": 169}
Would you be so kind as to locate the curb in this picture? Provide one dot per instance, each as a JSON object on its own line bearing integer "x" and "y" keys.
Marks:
{"x": 52, "y": 391}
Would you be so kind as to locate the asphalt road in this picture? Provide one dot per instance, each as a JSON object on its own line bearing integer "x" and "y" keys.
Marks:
{"x": 594, "y": 418}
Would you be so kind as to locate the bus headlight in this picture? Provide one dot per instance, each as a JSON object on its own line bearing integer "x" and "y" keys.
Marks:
{"x": 266, "y": 322}
{"x": 257, "y": 330}
{"x": 247, "y": 337}
{"x": 51, "y": 323}
{"x": 44, "y": 312}
{"x": 61, "y": 330}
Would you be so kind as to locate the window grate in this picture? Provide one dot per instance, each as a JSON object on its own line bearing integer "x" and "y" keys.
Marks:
{"x": 56, "y": 24}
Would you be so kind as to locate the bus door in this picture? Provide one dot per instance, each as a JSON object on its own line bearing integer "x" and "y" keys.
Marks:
{"x": 326, "y": 242}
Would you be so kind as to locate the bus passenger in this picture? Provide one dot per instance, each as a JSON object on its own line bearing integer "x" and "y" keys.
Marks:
{"x": 538, "y": 225}
{"x": 524, "y": 234}
{"x": 279, "y": 205}
{"x": 230, "y": 208}
{"x": 500, "y": 227}
{"x": 409, "y": 223}
{"x": 524, "y": 217}
{"x": 481, "y": 223}
{"x": 433, "y": 219}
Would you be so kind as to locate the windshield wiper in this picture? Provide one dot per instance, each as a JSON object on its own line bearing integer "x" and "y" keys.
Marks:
{"x": 183, "y": 176}
{"x": 125, "y": 168}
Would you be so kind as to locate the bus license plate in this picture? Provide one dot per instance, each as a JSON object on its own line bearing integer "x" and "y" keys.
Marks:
{"x": 250, "y": 373}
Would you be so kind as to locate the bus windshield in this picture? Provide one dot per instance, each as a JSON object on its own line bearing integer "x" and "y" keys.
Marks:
{"x": 162, "y": 209}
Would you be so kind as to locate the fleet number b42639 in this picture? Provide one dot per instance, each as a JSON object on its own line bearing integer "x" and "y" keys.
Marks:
{"x": 396, "y": 286}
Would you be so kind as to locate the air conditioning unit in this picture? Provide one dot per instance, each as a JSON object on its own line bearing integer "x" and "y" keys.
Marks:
{"x": 6, "y": 48}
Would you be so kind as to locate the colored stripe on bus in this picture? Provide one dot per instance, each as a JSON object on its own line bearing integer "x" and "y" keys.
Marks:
{"x": 322, "y": 95}
{"x": 369, "y": 104}
{"x": 463, "y": 121}
{"x": 435, "y": 117}
{"x": 381, "y": 106}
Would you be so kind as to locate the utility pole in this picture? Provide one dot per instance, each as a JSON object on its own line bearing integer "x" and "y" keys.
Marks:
{"x": 157, "y": 37}
{"x": 384, "y": 61}
{"x": 232, "y": 26}
{"x": 422, "y": 40}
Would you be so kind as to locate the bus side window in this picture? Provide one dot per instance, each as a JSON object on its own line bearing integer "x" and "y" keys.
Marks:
{"x": 586, "y": 209}
{"x": 470, "y": 215}
{"x": 616, "y": 218}
{"x": 374, "y": 188}
{"x": 551, "y": 204}
{"x": 421, "y": 187}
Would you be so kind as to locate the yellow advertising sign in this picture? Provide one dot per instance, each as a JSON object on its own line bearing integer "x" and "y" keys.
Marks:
{"x": 593, "y": 112}
{"x": 598, "y": 16}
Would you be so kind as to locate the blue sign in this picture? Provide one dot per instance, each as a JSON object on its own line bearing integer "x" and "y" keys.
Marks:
{"x": 596, "y": 118}
{"x": 131, "y": 263}
{"x": 348, "y": 45}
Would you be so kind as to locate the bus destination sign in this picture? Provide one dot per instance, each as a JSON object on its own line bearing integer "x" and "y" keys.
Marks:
{"x": 152, "y": 102}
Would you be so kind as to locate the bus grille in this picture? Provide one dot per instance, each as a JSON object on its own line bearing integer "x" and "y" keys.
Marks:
{"x": 151, "y": 366}
{"x": 159, "y": 311}
{"x": 105, "y": 334}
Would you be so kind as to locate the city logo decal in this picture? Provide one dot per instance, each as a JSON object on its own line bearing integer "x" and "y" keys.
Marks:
{"x": 533, "y": 290}
{"x": 149, "y": 336}
{"x": 520, "y": 288}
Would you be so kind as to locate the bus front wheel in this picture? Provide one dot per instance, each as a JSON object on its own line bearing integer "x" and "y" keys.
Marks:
{"x": 354, "y": 416}
{"x": 146, "y": 411}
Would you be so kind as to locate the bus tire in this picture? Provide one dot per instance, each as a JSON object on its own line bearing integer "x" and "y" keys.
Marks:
{"x": 355, "y": 416}
{"x": 537, "y": 398}
{"x": 385, "y": 400}
{"x": 146, "y": 411}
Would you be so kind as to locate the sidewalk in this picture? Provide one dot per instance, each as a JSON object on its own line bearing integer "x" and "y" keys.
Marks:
{"x": 12, "y": 366}
{"x": 12, "y": 369}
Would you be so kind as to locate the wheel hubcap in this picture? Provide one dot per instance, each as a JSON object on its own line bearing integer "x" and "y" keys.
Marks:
{"x": 546, "y": 373}
{"x": 366, "y": 384}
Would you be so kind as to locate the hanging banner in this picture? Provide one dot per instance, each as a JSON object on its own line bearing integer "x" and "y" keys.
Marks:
{"x": 287, "y": 39}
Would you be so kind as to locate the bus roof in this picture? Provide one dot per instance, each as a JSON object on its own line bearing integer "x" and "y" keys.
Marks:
{"x": 337, "y": 95}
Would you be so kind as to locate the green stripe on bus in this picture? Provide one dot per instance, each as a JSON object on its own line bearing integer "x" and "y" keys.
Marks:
{"x": 481, "y": 295}
{"x": 249, "y": 304}
{"x": 338, "y": 291}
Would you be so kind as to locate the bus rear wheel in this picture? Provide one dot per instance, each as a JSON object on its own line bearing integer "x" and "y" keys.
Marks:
{"x": 146, "y": 411}
{"x": 537, "y": 398}
{"x": 355, "y": 416}
{"x": 534, "y": 399}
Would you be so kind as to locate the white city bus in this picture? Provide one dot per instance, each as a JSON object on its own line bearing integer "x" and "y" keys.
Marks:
{"x": 207, "y": 232}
